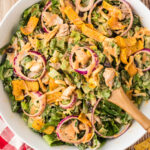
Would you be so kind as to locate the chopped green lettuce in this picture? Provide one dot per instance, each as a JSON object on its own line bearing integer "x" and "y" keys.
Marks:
{"x": 52, "y": 140}
{"x": 54, "y": 74}
{"x": 147, "y": 42}
{"x": 76, "y": 36}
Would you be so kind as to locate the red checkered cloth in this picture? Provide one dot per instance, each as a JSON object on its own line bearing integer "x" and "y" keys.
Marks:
{"x": 8, "y": 140}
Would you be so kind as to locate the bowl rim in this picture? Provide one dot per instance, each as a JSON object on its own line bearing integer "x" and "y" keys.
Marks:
{"x": 1, "y": 113}
{"x": 9, "y": 11}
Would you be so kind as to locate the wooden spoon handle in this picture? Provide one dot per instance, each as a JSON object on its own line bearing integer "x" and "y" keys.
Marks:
{"x": 147, "y": 3}
{"x": 120, "y": 98}
{"x": 148, "y": 130}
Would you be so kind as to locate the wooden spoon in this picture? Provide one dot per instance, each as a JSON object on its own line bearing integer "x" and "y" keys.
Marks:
{"x": 147, "y": 3}
{"x": 119, "y": 98}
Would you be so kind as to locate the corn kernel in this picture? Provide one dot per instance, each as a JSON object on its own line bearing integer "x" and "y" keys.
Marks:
{"x": 53, "y": 60}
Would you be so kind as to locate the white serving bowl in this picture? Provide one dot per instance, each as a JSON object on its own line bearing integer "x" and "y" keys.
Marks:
{"x": 15, "y": 122}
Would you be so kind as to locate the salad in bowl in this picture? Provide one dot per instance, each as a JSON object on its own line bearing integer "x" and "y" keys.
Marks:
{"x": 64, "y": 61}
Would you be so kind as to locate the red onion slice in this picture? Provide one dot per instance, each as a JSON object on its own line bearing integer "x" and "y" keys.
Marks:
{"x": 42, "y": 101}
{"x": 84, "y": 9}
{"x": 127, "y": 6}
{"x": 131, "y": 16}
{"x": 23, "y": 54}
{"x": 91, "y": 10}
{"x": 71, "y": 103}
{"x": 95, "y": 61}
{"x": 59, "y": 135}
{"x": 43, "y": 25}
{"x": 146, "y": 50}
{"x": 108, "y": 137}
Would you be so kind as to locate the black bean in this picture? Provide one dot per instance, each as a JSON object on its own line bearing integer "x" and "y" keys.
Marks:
{"x": 10, "y": 50}
{"x": 99, "y": 4}
{"x": 90, "y": 143}
{"x": 81, "y": 14}
{"x": 88, "y": 103}
{"x": 60, "y": 71}
{"x": 90, "y": 109}
{"x": 25, "y": 38}
{"x": 136, "y": 63}
{"x": 42, "y": 30}
{"x": 107, "y": 64}
{"x": 20, "y": 110}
